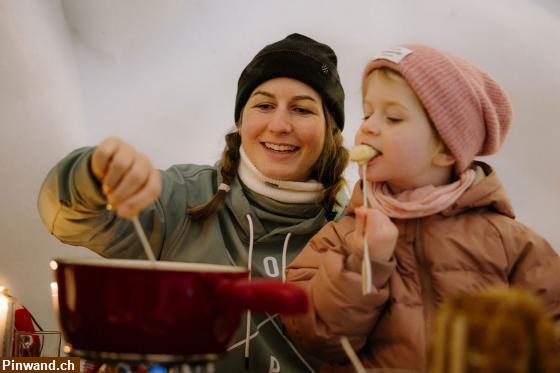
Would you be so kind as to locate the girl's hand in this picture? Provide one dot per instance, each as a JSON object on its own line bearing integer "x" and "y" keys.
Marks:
{"x": 380, "y": 231}
{"x": 128, "y": 178}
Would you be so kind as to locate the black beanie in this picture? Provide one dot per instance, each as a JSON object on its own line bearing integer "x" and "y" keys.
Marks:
{"x": 300, "y": 58}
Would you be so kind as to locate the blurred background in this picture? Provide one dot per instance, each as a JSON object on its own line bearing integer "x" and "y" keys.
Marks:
{"x": 162, "y": 74}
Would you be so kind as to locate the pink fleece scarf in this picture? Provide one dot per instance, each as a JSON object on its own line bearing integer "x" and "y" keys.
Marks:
{"x": 419, "y": 202}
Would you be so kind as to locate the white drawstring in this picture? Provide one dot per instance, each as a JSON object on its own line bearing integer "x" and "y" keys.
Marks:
{"x": 249, "y": 266}
{"x": 284, "y": 250}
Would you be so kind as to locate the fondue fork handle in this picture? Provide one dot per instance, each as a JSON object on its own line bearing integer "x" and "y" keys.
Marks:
{"x": 366, "y": 262}
{"x": 145, "y": 244}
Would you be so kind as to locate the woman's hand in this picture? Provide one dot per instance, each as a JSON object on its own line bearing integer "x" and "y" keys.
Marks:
{"x": 380, "y": 231}
{"x": 128, "y": 178}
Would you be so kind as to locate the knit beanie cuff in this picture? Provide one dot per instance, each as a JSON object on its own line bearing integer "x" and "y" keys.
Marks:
{"x": 297, "y": 57}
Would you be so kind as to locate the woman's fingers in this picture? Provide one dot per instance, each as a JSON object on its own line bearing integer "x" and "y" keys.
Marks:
{"x": 127, "y": 177}
{"x": 122, "y": 161}
{"x": 102, "y": 156}
{"x": 133, "y": 173}
{"x": 144, "y": 197}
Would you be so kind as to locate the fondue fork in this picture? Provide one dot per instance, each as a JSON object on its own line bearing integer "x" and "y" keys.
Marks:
{"x": 362, "y": 154}
{"x": 145, "y": 244}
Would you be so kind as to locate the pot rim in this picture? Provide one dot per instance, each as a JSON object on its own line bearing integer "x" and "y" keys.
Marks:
{"x": 146, "y": 264}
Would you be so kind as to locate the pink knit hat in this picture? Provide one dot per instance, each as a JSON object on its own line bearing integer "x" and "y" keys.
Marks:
{"x": 469, "y": 109}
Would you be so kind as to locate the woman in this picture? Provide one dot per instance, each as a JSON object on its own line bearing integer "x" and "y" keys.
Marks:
{"x": 278, "y": 182}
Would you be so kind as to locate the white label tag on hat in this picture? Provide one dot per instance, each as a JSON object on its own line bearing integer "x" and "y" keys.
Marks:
{"x": 395, "y": 54}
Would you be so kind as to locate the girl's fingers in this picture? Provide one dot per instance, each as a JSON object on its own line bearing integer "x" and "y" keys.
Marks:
{"x": 376, "y": 220}
{"x": 102, "y": 156}
{"x": 132, "y": 206}
{"x": 379, "y": 227}
{"x": 132, "y": 181}
{"x": 359, "y": 223}
{"x": 382, "y": 234}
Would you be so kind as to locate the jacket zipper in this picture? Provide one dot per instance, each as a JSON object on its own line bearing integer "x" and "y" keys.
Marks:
{"x": 427, "y": 293}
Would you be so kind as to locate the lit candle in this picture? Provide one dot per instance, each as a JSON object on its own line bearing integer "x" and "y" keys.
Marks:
{"x": 3, "y": 322}
{"x": 54, "y": 287}
{"x": 54, "y": 295}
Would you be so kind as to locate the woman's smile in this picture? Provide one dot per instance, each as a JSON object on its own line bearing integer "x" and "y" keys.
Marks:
{"x": 280, "y": 148}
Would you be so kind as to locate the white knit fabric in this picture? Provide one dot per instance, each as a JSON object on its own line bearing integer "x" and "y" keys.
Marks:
{"x": 279, "y": 190}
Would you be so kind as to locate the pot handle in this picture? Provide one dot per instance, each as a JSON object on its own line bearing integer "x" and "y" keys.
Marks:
{"x": 267, "y": 296}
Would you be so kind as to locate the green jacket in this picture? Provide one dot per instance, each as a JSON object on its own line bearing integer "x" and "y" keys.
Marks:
{"x": 73, "y": 209}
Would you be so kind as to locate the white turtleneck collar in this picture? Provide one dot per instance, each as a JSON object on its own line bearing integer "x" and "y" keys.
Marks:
{"x": 310, "y": 191}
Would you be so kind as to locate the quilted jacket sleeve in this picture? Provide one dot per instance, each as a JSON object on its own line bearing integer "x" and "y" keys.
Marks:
{"x": 533, "y": 264}
{"x": 72, "y": 207}
{"x": 330, "y": 274}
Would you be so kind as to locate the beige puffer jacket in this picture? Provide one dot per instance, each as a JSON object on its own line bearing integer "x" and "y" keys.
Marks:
{"x": 473, "y": 244}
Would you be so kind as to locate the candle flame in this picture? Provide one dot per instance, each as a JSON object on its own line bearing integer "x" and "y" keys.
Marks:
{"x": 3, "y": 309}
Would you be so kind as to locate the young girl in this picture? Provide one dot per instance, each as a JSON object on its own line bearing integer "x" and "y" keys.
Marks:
{"x": 437, "y": 222}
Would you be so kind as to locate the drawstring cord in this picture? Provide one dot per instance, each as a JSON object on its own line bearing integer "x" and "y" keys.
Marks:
{"x": 249, "y": 266}
{"x": 284, "y": 250}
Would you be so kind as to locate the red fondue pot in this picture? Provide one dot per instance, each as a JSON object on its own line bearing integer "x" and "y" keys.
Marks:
{"x": 132, "y": 309}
